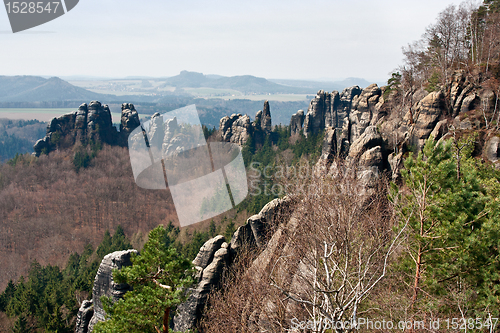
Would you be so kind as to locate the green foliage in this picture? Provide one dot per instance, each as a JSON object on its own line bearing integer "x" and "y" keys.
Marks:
{"x": 191, "y": 249}
{"x": 84, "y": 155}
{"x": 212, "y": 230}
{"x": 230, "y": 229}
{"x": 46, "y": 298}
{"x": 454, "y": 224}
{"x": 433, "y": 82}
{"x": 393, "y": 84}
{"x": 159, "y": 277}
{"x": 207, "y": 132}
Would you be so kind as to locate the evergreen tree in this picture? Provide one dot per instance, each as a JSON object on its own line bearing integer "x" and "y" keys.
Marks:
{"x": 159, "y": 277}
{"x": 453, "y": 219}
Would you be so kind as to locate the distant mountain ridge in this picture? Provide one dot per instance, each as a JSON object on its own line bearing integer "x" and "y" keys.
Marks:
{"x": 36, "y": 88}
{"x": 244, "y": 83}
{"x": 324, "y": 85}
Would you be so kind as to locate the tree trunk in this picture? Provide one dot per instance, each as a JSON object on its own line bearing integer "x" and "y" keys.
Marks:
{"x": 165, "y": 320}
{"x": 417, "y": 275}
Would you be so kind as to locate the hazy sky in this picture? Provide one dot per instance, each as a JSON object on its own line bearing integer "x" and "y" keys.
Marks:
{"x": 273, "y": 39}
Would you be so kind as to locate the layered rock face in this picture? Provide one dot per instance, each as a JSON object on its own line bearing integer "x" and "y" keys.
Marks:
{"x": 238, "y": 128}
{"x": 90, "y": 123}
{"x": 210, "y": 262}
{"x": 297, "y": 122}
{"x": 92, "y": 311}
{"x": 216, "y": 254}
{"x": 328, "y": 110}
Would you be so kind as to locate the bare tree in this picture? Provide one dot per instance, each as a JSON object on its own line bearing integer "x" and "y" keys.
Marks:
{"x": 337, "y": 254}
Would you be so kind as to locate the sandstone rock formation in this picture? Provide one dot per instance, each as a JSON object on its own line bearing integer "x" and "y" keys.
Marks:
{"x": 90, "y": 123}
{"x": 327, "y": 110}
{"x": 215, "y": 254}
{"x": 92, "y": 311}
{"x": 210, "y": 262}
{"x": 84, "y": 316}
{"x": 297, "y": 122}
{"x": 238, "y": 128}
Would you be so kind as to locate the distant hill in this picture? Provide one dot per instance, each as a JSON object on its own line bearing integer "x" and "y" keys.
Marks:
{"x": 245, "y": 83}
{"x": 35, "y": 89}
{"x": 325, "y": 85}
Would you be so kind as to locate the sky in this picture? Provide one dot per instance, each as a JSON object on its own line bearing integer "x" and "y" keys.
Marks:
{"x": 275, "y": 39}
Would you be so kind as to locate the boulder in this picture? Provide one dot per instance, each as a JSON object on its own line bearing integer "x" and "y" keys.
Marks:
{"x": 372, "y": 158}
{"x": 491, "y": 149}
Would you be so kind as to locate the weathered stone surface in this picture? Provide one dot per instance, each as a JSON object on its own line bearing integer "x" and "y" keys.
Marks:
{"x": 207, "y": 251}
{"x": 329, "y": 148}
{"x": 332, "y": 114}
{"x": 315, "y": 117}
{"x": 372, "y": 157}
{"x": 491, "y": 149}
{"x": 363, "y": 109}
{"x": 90, "y": 123}
{"x": 236, "y": 129}
{"x": 104, "y": 284}
{"x": 296, "y": 122}
{"x": 243, "y": 235}
{"x": 369, "y": 139}
{"x": 84, "y": 316}
{"x": 428, "y": 111}
{"x": 128, "y": 122}
{"x": 470, "y": 103}
{"x": 328, "y": 152}
{"x": 439, "y": 130}
{"x": 395, "y": 162}
{"x": 189, "y": 312}
{"x": 265, "y": 123}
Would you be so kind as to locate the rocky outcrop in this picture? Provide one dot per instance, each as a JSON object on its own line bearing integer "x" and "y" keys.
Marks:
{"x": 105, "y": 286}
{"x": 328, "y": 110}
{"x": 491, "y": 149}
{"x": 265, "y": 122}
{"x": 297, "y": 122}
{"x": 128, "y": 122}
{"x": 84, "y": 316}
{"x": 210, "y": 262}
{"x": 216, "y": 254}
{"x": 315, "y": 118}
{"x": 238, "y": 128}
{"x": 428, "y": 112}
{"x": 90, "y": 123}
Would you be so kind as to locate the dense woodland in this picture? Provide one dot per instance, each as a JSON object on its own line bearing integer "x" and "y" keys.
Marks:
{"x": 59, "y": 207}
{"x": 18, "y": 136}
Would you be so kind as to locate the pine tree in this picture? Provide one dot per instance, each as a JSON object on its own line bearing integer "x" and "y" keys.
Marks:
{"x": 454, "y": 222}
{"x": 159, "y": 277}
